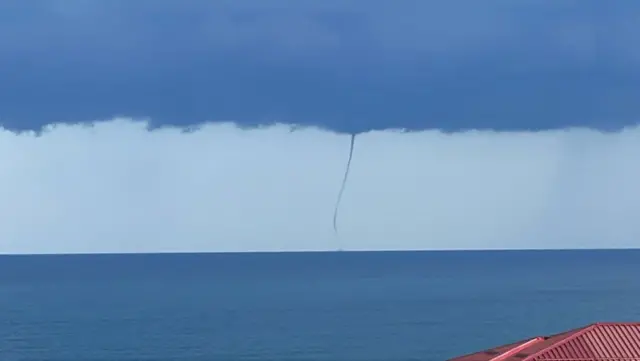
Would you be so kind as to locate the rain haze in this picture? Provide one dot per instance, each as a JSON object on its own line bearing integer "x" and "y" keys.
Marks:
{"x": 157, "y": 126}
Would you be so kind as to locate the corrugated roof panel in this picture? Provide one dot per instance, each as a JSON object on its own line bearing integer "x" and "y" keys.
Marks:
{"x": 598, "y": 342}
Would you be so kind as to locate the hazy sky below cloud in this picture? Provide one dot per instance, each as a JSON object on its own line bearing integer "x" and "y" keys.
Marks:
{"x": 117, "y": 187}
{"x": 524, "y": 116}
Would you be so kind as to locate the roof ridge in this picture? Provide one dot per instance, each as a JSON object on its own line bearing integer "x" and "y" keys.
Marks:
{"x": 575, "y": 333}
{"x": 518, "y": 348}
{"x": 611, "y": 323}
{"x": 509, "y": 345}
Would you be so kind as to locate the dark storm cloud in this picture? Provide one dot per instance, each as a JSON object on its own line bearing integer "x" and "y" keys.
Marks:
{"x": 344, "y": 65}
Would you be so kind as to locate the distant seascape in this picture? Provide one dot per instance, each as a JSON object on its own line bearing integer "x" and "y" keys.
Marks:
{"x": 286, "y": 137}
{"x": 338, "y": 306}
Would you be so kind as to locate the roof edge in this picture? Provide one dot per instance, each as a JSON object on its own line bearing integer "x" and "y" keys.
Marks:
{"x": 518, "y": 348}
{"x": 611, "y": 323}
{"x": 512, "y": 344}
{"x": 575, "y": 333}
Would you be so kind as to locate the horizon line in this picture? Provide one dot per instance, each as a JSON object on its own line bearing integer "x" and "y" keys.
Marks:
{"x": 452, "y": 250}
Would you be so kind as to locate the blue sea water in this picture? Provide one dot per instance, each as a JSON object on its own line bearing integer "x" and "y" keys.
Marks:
{"x": 339, "y": 306}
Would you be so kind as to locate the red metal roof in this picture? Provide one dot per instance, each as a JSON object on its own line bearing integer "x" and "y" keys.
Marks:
{"x": 604, "y": 341}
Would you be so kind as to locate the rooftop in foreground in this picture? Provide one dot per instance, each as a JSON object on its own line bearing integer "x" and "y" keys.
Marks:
{"x": 603, "y": 341}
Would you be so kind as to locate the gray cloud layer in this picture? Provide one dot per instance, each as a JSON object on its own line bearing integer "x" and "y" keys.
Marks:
{"x": 344, "y": 65}
{"x": 530, "y": 33}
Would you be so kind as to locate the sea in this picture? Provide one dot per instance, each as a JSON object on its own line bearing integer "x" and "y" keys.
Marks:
{"x": 333, "y": 306}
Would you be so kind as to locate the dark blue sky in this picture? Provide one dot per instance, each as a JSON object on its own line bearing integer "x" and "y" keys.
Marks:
{"x": 349, "y": 66}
